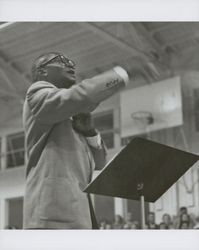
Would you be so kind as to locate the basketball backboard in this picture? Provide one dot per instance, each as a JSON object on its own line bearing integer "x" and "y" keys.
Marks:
{"x": 152, "y": 107}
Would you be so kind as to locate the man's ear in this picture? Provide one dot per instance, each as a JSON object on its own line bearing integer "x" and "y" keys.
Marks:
{"x": 43, "y": 71}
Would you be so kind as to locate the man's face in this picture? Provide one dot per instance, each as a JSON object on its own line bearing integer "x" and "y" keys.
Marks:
{"x": 166, "y": 219}
{"x": 151, "y": 218}
{"x": 183, "y": 211}
{"x": 129, "y": 216}
{"x": 61, "y": 70}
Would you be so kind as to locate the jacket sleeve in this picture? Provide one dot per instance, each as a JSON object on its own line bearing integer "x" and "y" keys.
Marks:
{"x": 50, "y": 104}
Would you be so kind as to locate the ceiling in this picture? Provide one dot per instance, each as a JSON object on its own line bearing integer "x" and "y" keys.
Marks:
{"x": 150, "y": 51}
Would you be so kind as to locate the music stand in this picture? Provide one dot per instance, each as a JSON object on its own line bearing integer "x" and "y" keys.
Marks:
{"x": 143, "y": 170}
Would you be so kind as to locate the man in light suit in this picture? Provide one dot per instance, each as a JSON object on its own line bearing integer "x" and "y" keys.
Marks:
{"x": 63, "y": 147}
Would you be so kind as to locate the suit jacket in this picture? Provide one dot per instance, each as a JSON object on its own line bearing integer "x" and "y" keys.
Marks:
{"x": 59, "y": 160}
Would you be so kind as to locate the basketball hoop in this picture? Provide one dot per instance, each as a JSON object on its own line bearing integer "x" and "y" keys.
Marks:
{"x": 145, "y": 117}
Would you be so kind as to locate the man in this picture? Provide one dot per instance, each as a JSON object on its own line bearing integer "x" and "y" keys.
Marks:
{"x": 63, "y": 148}
{"x": 151, "y": 221}
{"x": 183, "y": 219}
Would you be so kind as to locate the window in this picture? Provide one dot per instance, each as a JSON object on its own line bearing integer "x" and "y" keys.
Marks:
{"x": 15, "y": 150}
{"x": 196, "y": 107}
{"x": 105, "y": 124}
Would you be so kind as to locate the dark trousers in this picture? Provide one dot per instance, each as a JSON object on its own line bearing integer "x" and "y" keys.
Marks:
{"x": 93, "y": 217}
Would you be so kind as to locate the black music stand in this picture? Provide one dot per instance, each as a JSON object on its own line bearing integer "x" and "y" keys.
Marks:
{"x": 144, "y": 170}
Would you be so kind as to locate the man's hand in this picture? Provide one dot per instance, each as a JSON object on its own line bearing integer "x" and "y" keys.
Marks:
{"x": 82, "y": 123}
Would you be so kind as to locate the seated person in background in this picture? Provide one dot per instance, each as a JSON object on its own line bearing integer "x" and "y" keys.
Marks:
{"x": 102, "y": 224}
{"x": 185, "y": 222}
{"x": 130, "y": 223}
{"x": 166, "y": 220}
{"x": 135, "y": 225}
{"x": 108, "y": 226}
{"x": 151, "y": 221}
{"x": 197, "y": 223}
{"x": 184, "y": 225}
{"x": 11, "y": 227}
{"x": 162, "y": 225}
{"x": 129, "y": 218}
{"x": 118, "y": 222}
{"x": 183, "y": 217}
{"x": 126, "y": 226}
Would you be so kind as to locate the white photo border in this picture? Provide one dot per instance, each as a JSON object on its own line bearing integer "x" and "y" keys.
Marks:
{"x": 102, "y": 10}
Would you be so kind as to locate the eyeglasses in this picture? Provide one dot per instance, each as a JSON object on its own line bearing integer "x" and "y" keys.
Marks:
{"x": 59, "y": 58}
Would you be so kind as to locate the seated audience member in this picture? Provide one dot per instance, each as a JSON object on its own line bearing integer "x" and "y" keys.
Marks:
{"x": 11, "y": 227}
{"x": 102, "y": 224}
{"x": 182, "y": 219}
{"x": 197, "y": 223}
{"x": 108, "y": 226}
{"x": 126, "y": 226}
{"x": 129, "y": 217}
{"x": 184, "y": 225}
{"x": 163, "y": 226}
{"x": 129, "y": 220}
{"x": 118, "y": 222}
{"x": 151, "y": 221}
{"x": 186, "y": 218}
{"x": 135, "y": 225}
{"x": 132, "y": 225}
{"x": 166, "y": 219}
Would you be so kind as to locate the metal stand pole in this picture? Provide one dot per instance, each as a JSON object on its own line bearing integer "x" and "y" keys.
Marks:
{"x": 142, "y": 205}
{"x": 140, "y": 187}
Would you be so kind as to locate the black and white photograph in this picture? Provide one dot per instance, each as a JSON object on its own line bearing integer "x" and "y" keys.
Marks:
{"x": 99, "y": 125}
